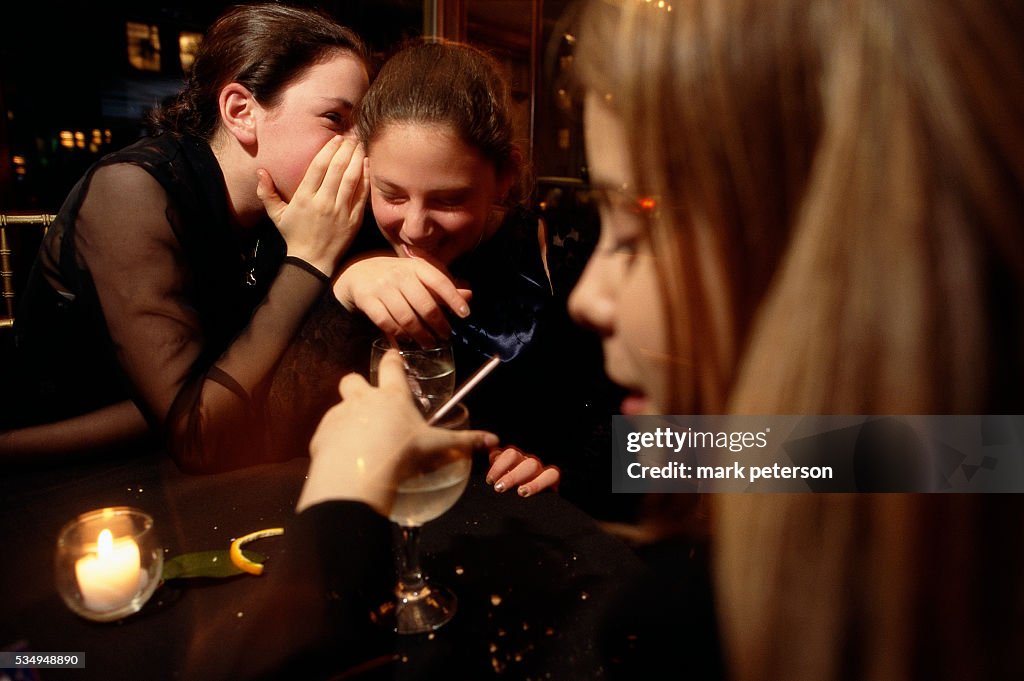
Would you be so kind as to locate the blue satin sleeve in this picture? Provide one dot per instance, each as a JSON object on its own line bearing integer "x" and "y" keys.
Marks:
{"x": 510, "y": 295}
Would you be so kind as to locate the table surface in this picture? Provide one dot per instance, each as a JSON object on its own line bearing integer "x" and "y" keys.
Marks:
{"x": 530, "y": 574}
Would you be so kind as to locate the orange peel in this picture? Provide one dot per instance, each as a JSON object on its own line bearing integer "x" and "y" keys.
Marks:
{"x": 239, "y": 559}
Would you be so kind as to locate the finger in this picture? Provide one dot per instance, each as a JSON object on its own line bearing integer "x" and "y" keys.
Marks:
{"x": 314, "y": 175}
{"x": 466, "y": 441}
{"x": 548, "y": 478}
{"x": 502, "y": 461}
{"x": 407, "y": 319}
{"x": 364, "y": 193}
{"x": 382, "y": 319}
{"x": 266, "y": 191}
{"x": 428, "y": 315}
{"x": 526, "y": 470}
{"x": 334, "y": 187}
{"x": 351, "y": 384}
{"x": 352, "y": 178}
{"x": 442, "y": 289}
{"x": 391, "y": 373}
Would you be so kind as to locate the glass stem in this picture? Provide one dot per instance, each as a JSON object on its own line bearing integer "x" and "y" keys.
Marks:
{"x": 410, "y": 575}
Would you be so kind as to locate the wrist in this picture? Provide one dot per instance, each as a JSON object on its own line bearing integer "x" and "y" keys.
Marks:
{"x": 323, "y": 265}
{"x": 343, "y": 293}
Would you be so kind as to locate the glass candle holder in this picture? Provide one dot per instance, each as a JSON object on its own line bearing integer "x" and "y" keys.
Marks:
{"x": 109, "y": 563}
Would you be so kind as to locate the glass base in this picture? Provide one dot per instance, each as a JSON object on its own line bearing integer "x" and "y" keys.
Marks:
{"x": 419, "y": 611}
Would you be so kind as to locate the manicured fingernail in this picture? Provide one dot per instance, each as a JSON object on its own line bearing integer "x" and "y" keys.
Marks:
{"x": 463, "y": 311}
{"x": 523, "y": 491}
{"x": 500, "y": 487}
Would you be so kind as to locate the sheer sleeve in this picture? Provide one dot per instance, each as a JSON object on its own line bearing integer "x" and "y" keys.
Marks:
{"x": 206, "y": 402}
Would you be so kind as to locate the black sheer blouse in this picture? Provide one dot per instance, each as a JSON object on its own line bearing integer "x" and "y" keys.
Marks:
{"x": 145, "y": 290}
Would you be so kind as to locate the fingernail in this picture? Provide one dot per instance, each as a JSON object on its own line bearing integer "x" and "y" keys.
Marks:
{"x": 489, "y": 480}
{"x": 500, "y": 487}
{"x": 463, "y": 311}
{"x": 524, "y": 491}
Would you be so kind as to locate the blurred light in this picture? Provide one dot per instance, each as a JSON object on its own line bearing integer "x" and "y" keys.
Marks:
{"x": 143, "y": 45}
{"x": 188, "y": 46}
{"x": 67, "y": 139}
{"x": 18, "y": 160}
{"x": 80, "y": 139}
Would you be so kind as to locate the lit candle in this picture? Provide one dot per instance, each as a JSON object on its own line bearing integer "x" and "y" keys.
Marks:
{"x": 110, "y": 578}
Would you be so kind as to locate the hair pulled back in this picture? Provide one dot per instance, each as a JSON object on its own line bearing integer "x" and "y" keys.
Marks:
{"x": 262, "y": 47}
{"x": 451, "y": 84}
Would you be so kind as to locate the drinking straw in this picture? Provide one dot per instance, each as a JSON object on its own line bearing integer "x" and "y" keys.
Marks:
{"x": 464, "y": 389}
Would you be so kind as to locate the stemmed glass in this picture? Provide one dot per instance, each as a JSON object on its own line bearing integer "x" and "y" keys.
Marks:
{"x": 431, "y": 371}
{"x": 422, "y": 605}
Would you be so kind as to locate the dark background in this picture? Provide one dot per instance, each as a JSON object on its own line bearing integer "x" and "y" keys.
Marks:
{"x": 64, "y": 68}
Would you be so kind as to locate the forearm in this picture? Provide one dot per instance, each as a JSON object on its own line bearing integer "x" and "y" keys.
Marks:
{"x": 93, "y": 433}
{"x": 217, "y": 421}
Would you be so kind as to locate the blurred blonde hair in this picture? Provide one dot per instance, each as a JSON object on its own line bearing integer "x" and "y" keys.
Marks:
{"x": 850, "y": 176}
{"x": 854, "y": 170}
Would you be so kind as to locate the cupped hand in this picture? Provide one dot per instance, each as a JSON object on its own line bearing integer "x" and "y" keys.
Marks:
{"x": 511, "y": 467}
{"x": 325, "y": 212}
{"x": 376, "y": 437}
{"x": 405, "y": 297}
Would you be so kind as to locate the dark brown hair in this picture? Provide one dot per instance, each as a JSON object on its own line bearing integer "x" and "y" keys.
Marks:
{"x": 262, "y": 47}
{"x": 445, "y": 83}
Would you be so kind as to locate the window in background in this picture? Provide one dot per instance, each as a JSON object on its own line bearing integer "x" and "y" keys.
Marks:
{"x": 188, "y": 46}
{"x": 143, "y": 46}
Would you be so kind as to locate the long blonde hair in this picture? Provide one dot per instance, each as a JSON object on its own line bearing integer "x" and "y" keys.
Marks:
{"x": 852, "y": 176}
{"x": 856, "y": 172}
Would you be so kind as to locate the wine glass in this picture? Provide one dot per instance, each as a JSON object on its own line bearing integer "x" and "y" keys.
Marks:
{"x": 430, "y": 371}
{"x": 422, "y": 605}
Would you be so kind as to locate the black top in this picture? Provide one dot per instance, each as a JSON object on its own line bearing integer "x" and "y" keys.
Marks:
{"x": 144, "y": 289}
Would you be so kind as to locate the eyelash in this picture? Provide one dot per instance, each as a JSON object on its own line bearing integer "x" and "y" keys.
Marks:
{"x": 442, "y": 205}
{"x": 628, "y": 247}
{"x": 449, "y": 204}
{"x": 338, "y": 119}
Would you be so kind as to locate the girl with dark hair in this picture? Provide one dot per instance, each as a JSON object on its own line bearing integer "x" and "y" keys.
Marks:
{"x": 447, "y": 191}
{"x": 462, "y": 258}
{"x": 180, "y": 267}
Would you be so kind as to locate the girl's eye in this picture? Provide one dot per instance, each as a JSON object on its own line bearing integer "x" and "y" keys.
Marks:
{"x": 393, "y": 199}
{"x": 628, "y": 247}
{"x": 338, "y": 120}
{"x": 449, "y": 201}
{"x": 624, "y": 248}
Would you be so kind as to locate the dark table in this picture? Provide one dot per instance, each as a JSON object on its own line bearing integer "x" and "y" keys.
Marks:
{"x": 530, "y": 574}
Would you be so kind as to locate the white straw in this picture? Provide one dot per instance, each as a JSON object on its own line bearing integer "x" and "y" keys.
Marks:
{"x": 470, "y": 383}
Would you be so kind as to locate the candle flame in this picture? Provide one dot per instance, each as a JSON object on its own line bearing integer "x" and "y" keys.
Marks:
{"x": 105, "y": 544}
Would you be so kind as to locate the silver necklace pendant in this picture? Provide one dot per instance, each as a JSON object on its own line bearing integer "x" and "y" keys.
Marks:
{"x": 250, "y": 276}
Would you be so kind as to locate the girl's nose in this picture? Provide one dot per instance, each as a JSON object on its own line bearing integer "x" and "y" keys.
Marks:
{"x": 417, "y": 226}
{"x": 591, "y": 303}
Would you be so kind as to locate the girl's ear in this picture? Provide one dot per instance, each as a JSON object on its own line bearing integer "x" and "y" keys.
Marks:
{"x": 237, "y": 112}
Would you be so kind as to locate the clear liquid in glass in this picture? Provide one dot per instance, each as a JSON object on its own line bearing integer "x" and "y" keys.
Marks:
{"x": 422, "y": 498}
